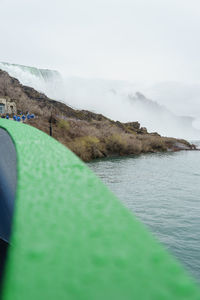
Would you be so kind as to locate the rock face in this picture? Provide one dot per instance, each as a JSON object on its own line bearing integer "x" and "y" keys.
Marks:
{"x": 134, "y": 125}
{"x": 28, "y": 99}
{"x": 88, "y": 134}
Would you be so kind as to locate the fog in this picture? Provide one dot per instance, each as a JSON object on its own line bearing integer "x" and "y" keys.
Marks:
{"x": 108, "y": 50}
{"x": 121, "y": 100}
{"x": 126, "y": 102}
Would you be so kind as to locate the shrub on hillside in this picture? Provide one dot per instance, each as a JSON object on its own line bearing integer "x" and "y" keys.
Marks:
{"x": 86, "y": 148}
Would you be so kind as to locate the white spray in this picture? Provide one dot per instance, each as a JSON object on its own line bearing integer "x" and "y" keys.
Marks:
{"x": 118, "y": 100}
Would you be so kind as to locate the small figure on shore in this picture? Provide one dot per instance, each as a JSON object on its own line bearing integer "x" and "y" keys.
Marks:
{"x": 15, "y": 118}
{"x": 23, "y": 118}
{"x": 18, "y": 119}
{"x": 7, "y": 117}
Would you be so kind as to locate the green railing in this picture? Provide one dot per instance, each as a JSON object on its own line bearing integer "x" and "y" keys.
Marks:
{"x": 73, "y": 239}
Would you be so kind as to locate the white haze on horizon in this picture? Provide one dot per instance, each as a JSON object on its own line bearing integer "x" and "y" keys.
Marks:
{"x": 151, "y": 41}
{"x": 145, "y": 40}
{"x": 116, "y": 99}
{"x": 112, "y": 99}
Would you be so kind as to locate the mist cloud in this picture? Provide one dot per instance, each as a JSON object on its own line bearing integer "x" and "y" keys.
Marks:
{"x": 129, "y": 40}
{"x": 150, "y": 46}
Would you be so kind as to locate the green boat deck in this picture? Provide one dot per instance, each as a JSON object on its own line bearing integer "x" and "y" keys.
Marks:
{"x": 73, "y": 239}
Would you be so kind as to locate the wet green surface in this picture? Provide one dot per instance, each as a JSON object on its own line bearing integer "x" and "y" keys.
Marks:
{"x": 73, "y": 239}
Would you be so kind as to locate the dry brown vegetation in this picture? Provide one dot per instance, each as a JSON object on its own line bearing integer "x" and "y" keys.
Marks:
{"x": 87, "y": 134}
{"x": 97, "y": 139}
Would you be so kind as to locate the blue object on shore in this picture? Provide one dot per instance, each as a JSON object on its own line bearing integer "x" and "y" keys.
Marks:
{"x": 7, "y": 117}
{"x": 28, "y": 117}
{"x": 23, "y": 118}
{"x": 14, "y": 118}
{"x": 32, "y": 116}
{"x": 18, "y": 119}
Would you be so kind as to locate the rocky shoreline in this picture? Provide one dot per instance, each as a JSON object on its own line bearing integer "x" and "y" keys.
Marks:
{"x": 87, "y": 134}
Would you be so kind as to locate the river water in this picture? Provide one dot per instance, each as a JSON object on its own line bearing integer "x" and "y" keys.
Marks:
{"x": 163, "y": 191}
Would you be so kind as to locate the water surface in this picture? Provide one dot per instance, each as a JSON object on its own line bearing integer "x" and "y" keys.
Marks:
{"x": 163, "y": 190}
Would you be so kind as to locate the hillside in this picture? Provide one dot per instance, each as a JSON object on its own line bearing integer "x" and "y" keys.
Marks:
{"x": 87, "y": 134}
{"x": 117, "y": 100}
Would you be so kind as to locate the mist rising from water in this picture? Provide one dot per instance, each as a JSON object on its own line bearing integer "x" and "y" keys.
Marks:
{"x": 118, "y": 100}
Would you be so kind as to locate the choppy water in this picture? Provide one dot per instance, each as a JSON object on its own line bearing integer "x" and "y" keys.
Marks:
{"x": 163, "y": 190}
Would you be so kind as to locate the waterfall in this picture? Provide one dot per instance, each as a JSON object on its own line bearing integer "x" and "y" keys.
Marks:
{"x": 117, "y": 100}
{"x": 46, "y": 81}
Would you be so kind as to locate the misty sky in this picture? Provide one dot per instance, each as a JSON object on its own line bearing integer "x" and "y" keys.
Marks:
{"x": 138, "y": 40}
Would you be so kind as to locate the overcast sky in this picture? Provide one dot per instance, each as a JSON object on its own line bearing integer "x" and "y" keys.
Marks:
{"x": 137, "y": 40}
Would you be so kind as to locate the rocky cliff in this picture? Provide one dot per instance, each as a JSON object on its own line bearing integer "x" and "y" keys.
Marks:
{"x": 88, "y": 134}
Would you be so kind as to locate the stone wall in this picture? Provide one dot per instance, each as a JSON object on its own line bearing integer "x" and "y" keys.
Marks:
{"x": 10, "y": 107}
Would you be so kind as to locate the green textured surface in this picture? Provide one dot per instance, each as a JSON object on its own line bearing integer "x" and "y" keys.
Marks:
{"x": 72, "y": 239}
